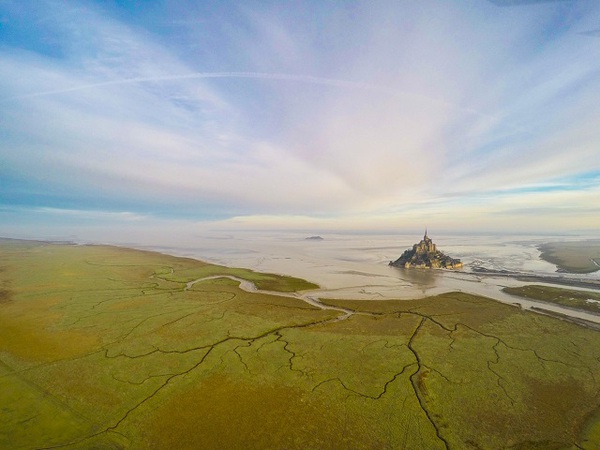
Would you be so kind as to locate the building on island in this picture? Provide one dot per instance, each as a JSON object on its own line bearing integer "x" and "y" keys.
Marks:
{"x": 426, "y": 255}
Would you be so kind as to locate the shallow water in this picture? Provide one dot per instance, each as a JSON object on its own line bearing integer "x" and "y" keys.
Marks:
{"x": 356, "y": 266}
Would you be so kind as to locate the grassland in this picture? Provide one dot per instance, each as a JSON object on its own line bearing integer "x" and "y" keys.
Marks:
{"x": 102, "y": 347}
{"x": 571, "y": 298}
{"x": 574, "y": 257}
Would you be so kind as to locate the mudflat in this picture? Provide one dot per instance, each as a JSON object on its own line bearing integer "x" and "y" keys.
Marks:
{"x": 105, "y": 347}
{"x": 574, "y": 257}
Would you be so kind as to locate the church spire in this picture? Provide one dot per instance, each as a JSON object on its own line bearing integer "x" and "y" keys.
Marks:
{"x": 425, "y": 237}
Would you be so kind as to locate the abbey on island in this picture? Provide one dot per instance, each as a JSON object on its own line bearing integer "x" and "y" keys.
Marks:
{"x": 425, "y": 255}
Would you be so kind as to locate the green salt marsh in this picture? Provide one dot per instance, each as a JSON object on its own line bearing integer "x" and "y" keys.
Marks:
{"x": 574, "y": 257}
{"x": 571, "y": 298}
{"x": 105, "y": 347}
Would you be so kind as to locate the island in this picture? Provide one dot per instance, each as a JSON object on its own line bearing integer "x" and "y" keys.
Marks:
{"x": 426, "y": 255}
{"x": 314, "y": 238}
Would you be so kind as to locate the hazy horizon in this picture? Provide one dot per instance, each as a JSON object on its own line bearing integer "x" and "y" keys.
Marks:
{"x": 183, "y": 117}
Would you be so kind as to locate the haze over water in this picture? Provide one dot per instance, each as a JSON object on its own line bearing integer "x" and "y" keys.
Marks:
{"x": 356, "y": 265}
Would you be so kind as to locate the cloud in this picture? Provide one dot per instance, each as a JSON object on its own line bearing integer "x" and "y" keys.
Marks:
{"x": 523, "y": 2}
{"x": 386, "y": 113}
{"x": 93, "y": 215}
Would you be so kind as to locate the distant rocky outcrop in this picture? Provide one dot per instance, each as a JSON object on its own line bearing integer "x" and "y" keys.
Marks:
{"x": 424, "y": 254}
{"x": 314, "y": 238}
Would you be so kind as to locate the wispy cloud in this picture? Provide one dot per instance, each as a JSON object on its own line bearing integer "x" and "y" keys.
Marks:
{"x": 523, "y": 2}
{"x": 93, "y": 215}
{"x": 360, "y": 114}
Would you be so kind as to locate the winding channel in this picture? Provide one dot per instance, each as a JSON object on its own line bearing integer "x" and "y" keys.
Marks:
{"x": 312, "y": 299}
{"x": 249, "y": 286}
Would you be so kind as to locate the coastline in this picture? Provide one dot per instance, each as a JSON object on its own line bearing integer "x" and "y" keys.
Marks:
{"x": 175, "y": 342}
{"x": 474, "y": 286}
{"x": 572, "y": 257}
{"x": 379, "y": 282}
{"x": 549, "y": 279}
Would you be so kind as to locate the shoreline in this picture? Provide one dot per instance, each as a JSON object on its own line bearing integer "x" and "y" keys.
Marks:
{"x": 152, "y": 331}
{"x": 557, "y": 315}
{"x": 357, "y": 292}
{"x": 463, "y": 281}
{"x": 549, "y": 279}
{"x": 576, "y": 257}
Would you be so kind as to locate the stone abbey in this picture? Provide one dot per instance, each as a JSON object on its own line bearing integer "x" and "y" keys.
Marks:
{"x": 426, "y": 255}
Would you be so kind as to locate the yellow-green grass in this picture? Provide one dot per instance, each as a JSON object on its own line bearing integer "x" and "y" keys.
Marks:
{"x": 102, "y": 347}
{"x": 492, "y": 370}
{"x": 576, "y": 257}
{"x": 584, "y": 300}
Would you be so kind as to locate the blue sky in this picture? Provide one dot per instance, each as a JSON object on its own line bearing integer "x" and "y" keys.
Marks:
{"x": 303, "y": 114}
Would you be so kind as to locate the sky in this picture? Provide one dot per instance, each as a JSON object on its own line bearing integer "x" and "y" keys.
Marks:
{"x": 474, "y": 115}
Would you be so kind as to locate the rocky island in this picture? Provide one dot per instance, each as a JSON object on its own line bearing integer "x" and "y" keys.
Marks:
{"x": 425, "y": 255}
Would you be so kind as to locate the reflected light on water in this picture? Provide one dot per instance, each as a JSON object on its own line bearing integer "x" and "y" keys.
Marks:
{"x": 425, "y": 279}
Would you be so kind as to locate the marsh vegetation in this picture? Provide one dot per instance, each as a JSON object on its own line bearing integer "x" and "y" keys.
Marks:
{"x": 575, "y": 257}
{"x": 571, "y": 298}
{"x": 103, "y": 347}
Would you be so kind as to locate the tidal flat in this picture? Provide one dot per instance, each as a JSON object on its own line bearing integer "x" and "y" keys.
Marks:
{"x": 577, "y": 257}
{"x": 107, "y": 347}
{"x": 576, "y": 299}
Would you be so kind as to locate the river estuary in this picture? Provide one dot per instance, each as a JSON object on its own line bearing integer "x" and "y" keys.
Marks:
{"x": 356, "y": 266}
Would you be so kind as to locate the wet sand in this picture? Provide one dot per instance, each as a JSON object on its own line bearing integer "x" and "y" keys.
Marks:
{"x": 356, "y": 266}
{"x": 578, "y": 256}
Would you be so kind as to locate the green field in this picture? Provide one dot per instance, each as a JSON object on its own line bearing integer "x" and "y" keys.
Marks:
{"x": 103, "y": 347}
{"x": 571, "y": 298}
